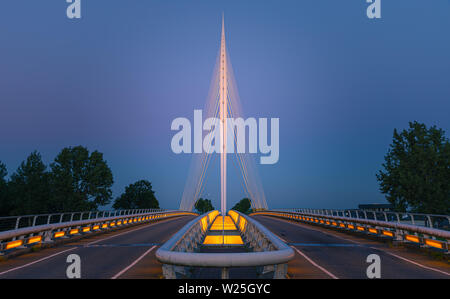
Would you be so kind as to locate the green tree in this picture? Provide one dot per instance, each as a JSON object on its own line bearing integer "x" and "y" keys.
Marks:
{"x": 243, "y": 206}
{"x": 29, "y": 189}
{"x": 416, "y": 174}
{"x": 203, "y": 205}
{"x": 80, "y": 180}
{"x": 5, "y": 204}
{"x": 137, "y": 196}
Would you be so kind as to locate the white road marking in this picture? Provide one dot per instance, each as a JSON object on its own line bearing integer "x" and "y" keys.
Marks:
{"x": 378, "y": 249}
{"x": 310, "y": 260}
{"x": 314, "y": 264}
{"x": 133, "y": 263}
{"x": 306, "y": 226}
{"x": 61, "y": 252}
{"x": 413, "y": 262}
{"x": 37, "y": 261}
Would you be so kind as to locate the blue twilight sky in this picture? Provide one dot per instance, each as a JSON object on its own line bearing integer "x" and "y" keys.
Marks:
{"x": 114, "y": 80}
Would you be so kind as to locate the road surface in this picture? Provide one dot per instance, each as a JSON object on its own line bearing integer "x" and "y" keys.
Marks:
{"x": 325, "y": 253}
{"x": 130, "y": 253}
{"x": 126, "y": 253}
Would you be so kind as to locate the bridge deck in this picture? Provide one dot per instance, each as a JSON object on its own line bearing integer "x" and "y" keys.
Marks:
{"x": 130, "y": 253}
{"x": 324, "y": 253}
{"x": 103, "y": 256}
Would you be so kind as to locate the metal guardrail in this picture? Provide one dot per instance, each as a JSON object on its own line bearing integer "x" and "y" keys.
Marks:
{"x": 16, "y": 222}
{"x": 401, "y": 232}
{"x": 32, "y": 235}
{"x": 427, "y": 220}
{"x": 180, "y": 252}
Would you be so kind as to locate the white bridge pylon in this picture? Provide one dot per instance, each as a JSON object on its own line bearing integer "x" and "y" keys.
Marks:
{"x": 223, "y": 102}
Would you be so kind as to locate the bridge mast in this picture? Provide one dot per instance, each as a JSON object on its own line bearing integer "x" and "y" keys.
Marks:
{"x": 223, "y": 98}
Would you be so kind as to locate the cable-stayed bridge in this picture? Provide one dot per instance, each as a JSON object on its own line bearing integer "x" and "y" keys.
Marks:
{"x": 293, "y": 243}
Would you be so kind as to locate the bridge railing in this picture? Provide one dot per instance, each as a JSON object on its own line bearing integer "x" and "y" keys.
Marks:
{"x": 181, "y": 251}
{"x": 31, "y": 230}
{"x": 395, "y": 230}
{"x": 16, "y": 222}
{"x": 426, "y": 220}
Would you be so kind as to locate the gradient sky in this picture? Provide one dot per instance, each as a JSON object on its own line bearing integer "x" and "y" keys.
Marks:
{"x": 114, "y": 80}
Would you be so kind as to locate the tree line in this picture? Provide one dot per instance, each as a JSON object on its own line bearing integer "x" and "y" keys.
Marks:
{"x": 77, "y": 180}
{"x": 203, "y": 205}
{"x": 415, "y": 175}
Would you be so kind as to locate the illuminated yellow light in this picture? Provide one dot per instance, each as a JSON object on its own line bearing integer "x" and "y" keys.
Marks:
{"x": 34, "y": 239}
{"x": 119, "y": 222}
{"x": 350, "y": 226}
{"x": 373, "y": 231}
{"x": 204, "y": 223}
{"x": 212, "y": 215}
{"x": 360, "y": 228}
{"x": 112, "y": 224}
{"x": 234, "y": 215}
{"x": 341, "y": 224}
{"x": 59, "y": 234}
{"x": 242, "y": 224}
{"x": 434, "y": 244}
{"x": 228, "y": 240}
{"x": 14, "y": 244}
{"x": 96, "y": 227}
{"x": 140, "y": 218}
{"x": 388, "y": 233}
{"x": 105, "y": 225}
{"x": 334, "y": 224}
{"x": 135, "y": 220}
{"x": 412, "y": 238}
{"x": 86, "y": 229}
{"x": 125, "y": 221}
{"x": 223, "y": 223}
{"x": 74, "y": 231}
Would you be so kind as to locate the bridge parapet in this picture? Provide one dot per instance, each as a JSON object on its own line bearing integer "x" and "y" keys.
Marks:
{"x": 428, "y": 220}
{"x": 395, "y": 230}
{"x": 181, "y": 252}
{"x": 34, "y": 234}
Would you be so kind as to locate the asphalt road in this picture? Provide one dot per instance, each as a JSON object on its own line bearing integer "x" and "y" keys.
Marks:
{"x": 126, "y": 253}
{"x": 130, "y": 253}
{"x": 324, "y": 253}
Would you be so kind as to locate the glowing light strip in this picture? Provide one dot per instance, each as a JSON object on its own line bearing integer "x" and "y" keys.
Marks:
{"x": 433, "y": 243}
{"x": 412, "y": 238}
{"x": 220, "y": 240}
{"x": 14, "y": 244}
{"x": 59, "y": 234}
{"x": 373, "y": 231}
{"x": 388, "y": 233}
{"x": 34, "y": 239}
